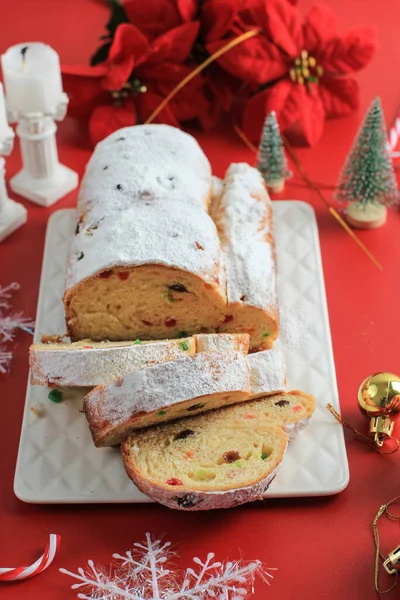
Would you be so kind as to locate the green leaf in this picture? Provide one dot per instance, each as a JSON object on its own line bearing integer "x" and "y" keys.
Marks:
{"x": 101, "y": 54}
{"x": 185, "y": 346}
{"x": 55, "y": 396}
{"x": 137, "y": 341}
{"x": 263, "y": 456}
{"x": 118, "y": 16}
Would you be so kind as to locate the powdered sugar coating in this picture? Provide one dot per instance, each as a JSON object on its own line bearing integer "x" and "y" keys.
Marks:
{"x": 82, "y": 366}
{"x": 292, "y": 429}
{"x": 144, "y": 200}
{"x": 161, "y": 386}
{"x": 222, "y": 342}
{"x": 267, "y": 372}
{"x": 244, "y": 217}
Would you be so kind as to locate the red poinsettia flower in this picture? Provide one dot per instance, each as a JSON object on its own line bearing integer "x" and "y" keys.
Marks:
{"x": 136, "y": 77}
{"x": 295, "y": 67}
{"x": 155, "y": 17}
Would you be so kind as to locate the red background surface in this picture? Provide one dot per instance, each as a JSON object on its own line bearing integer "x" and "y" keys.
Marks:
{"x": 323, "y": 547}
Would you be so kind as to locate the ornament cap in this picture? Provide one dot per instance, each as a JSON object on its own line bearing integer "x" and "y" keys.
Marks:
{"x": 381, "y": 428}
{"x": 392, "y": 563}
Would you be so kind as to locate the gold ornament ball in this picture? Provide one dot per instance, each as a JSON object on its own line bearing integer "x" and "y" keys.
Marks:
{"x": 379, "y": 394}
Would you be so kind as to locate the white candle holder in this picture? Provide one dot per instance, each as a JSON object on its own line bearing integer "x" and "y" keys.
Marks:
{"x": 43, "y": 179}
{"x": 12, "y": 214}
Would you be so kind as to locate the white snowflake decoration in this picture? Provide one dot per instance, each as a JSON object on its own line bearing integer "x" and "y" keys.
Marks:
{"x": 5, "y": 359}
{"x": 5, "y": 294}
{"x": 9, "y": 324}
{"x": 141, "y": 575}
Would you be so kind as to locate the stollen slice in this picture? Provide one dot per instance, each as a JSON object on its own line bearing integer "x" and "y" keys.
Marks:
{"x": 200, "y": 463}
{"x": 89, "y": 364}
{"x": 164, "y": 392}
{"x": 243, "y": 215}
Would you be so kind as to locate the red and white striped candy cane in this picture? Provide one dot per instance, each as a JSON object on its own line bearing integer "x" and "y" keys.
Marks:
{"x": 18, "y": 573}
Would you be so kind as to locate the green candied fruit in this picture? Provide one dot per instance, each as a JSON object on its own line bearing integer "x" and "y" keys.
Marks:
{"x": 238, "y": 463}
{"x": 161, "y": 413}
{"x": 266, "y": 334}
{"x": 263, "y": 456}
{"x": 185, "y": 346}
{"x": 137, "y": 341}
{"x": 182, "y": 334}
{"x": 81, "y": 255}
{"x": 55, "y": 396}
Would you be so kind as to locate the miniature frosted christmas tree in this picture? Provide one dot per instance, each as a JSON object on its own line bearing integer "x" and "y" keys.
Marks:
{"x": 271, "y": 161}
{"x": 367, "y": 182}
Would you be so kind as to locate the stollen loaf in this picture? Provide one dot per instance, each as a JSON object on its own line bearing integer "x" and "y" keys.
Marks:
{"x": 146, "y": 258}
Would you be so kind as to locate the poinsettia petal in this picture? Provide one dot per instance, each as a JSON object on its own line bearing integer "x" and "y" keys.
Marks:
{"x": 255, "y": 60}
{"x": 275, "y": 98}
{"x": 128, "y": 48}
{"x": 174, "y": 45}
{"x": 108, "y": 118}
{"x": 148, "y": 102}
{"x": 312, "y": 114}
{"x": 128, "y": 40}
{"x": 187, "y": 9}
{"x": 217, "y": 17}
{"x": 340, "y": 96}
{"x": 349, "y": 52}
{"x": 283, "y": 24}
{"x": 84, "y": 88}
{"x": 320, "y": 26}
{"x": 152, "y": 17}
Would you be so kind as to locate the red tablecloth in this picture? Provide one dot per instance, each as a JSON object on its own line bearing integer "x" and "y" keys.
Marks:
{"x": 323, "y": 547}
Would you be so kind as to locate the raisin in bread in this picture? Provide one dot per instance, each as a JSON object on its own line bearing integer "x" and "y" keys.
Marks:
{"x": 89, "y": 364}
{"x": 200, "y": 463}
{"x": 164, "y": 392}
{"x": 244, "y": 219}
{"x": 146, "y": 258}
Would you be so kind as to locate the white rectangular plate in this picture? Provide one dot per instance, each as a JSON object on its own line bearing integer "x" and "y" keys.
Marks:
{"x": 57, "y": 461}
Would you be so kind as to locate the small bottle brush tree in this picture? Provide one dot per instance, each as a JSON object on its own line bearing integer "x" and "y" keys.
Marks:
{"x": 271, "y": 160}
{"x": 367, "y": 182}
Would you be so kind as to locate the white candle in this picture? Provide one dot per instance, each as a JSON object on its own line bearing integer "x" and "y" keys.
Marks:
{"x": 4, "y": 126}
{"x": 32, "y": 78}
